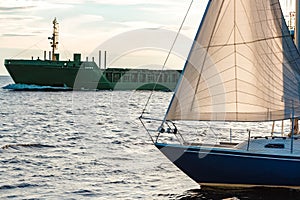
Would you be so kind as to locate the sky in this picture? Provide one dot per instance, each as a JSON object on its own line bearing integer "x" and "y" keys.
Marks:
{"x": 135, "y": 33}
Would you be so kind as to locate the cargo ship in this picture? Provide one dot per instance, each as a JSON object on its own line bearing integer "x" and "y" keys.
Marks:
{"x": 86, "y": 75}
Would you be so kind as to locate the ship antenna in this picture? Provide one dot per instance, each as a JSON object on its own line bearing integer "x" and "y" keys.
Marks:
{"x": 54, "y": 38}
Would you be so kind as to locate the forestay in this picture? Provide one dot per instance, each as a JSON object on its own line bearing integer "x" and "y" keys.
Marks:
{"x": 243, "y": 66}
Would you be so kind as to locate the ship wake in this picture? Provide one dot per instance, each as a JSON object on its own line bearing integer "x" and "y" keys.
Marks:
{"x": 27, "y": 87}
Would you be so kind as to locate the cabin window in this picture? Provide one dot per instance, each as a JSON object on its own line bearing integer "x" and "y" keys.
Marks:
{"x": 160, "y": 78}
{"x": 174, "y": 78}
{"x": 166, "y": 78}
{"x": 275, "y": 145}
{"x": 150, "y": 78}
{"x": 156, "y": 76}
{"x": 117, "y": 76}
{"x": 109, "y": 77}
{"x": 125, "y": 78}
{"x": 134, "y": 77}
{"x": 143, "y": 78}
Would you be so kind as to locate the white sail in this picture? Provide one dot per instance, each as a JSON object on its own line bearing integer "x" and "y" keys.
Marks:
{"x": 243, "y": 66}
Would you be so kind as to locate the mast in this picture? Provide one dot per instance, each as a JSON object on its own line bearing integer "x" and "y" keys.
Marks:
{"x": 54, "y": 38}
{"x": 297, "y": 27}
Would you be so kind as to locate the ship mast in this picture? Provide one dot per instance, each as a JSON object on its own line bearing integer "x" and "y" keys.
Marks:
{"x": 297, "y": 25}
{"x": 54, "y": 38}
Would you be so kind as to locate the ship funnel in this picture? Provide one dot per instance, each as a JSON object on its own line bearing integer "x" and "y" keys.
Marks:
{"x": 99, "y": 60}
{"x": 56, "y": 55}
{"x": 77, "y": 57}
{"x": 104, "y": 60}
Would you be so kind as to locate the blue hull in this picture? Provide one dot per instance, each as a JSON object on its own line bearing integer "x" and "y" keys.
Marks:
{"x": 221, "y": 166}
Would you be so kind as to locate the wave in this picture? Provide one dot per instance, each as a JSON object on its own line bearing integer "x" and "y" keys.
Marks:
{"x": 15, "y": 146}
{"x": 21, "y": 185}
{"x": 28, "y": 87}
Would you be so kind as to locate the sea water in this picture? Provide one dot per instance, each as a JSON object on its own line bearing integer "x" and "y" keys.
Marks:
{"x": 91, "y": 145}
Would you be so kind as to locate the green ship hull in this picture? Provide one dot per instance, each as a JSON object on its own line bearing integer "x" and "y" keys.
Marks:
{"x": 87, "y": 75}
{"x": 78, "y": 75}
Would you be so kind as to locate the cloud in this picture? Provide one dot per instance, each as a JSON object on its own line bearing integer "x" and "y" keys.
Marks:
{"x": 84, "y": 24}
{"x": 91, "y": 18}
{"x": 15, "y": 35}
{"x": 118, "y": 2}
{"x": 169, "y": 3}
{"x": 28, "y": 5}
{"x": 9, "y": 18}
{"x": 140, "y": 24}
{"x": 18, "y": 27}
{"x": 15, "y": 8}
{"x": 10, "y": 5}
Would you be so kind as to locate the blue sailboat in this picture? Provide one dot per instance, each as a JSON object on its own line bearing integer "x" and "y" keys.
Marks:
{"x": 244, "y": 69}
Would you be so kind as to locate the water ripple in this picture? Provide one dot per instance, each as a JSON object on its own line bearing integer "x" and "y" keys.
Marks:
{"x": 21, "y": 185}
{"x": 17, "y": 146}
{"x": 90, "y": 145}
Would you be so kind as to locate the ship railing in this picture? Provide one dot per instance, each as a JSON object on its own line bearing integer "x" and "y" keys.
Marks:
{"x": 223, "y": 134}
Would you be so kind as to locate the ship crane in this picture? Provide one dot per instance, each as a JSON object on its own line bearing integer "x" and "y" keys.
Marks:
{"x": 54, "y": 38}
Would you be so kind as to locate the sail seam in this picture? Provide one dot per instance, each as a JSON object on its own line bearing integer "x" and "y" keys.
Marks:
{"x": 246, "y": 67}
{"x": 250, "y": 84}
{"x": 235, "y": 63}
{"x": 283, "y": 37}
{"x": 266, "y": 39}
{"x": 245, "y": 43}
{"x": 222, "y": 17}
{"x": 206, "y": 53}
